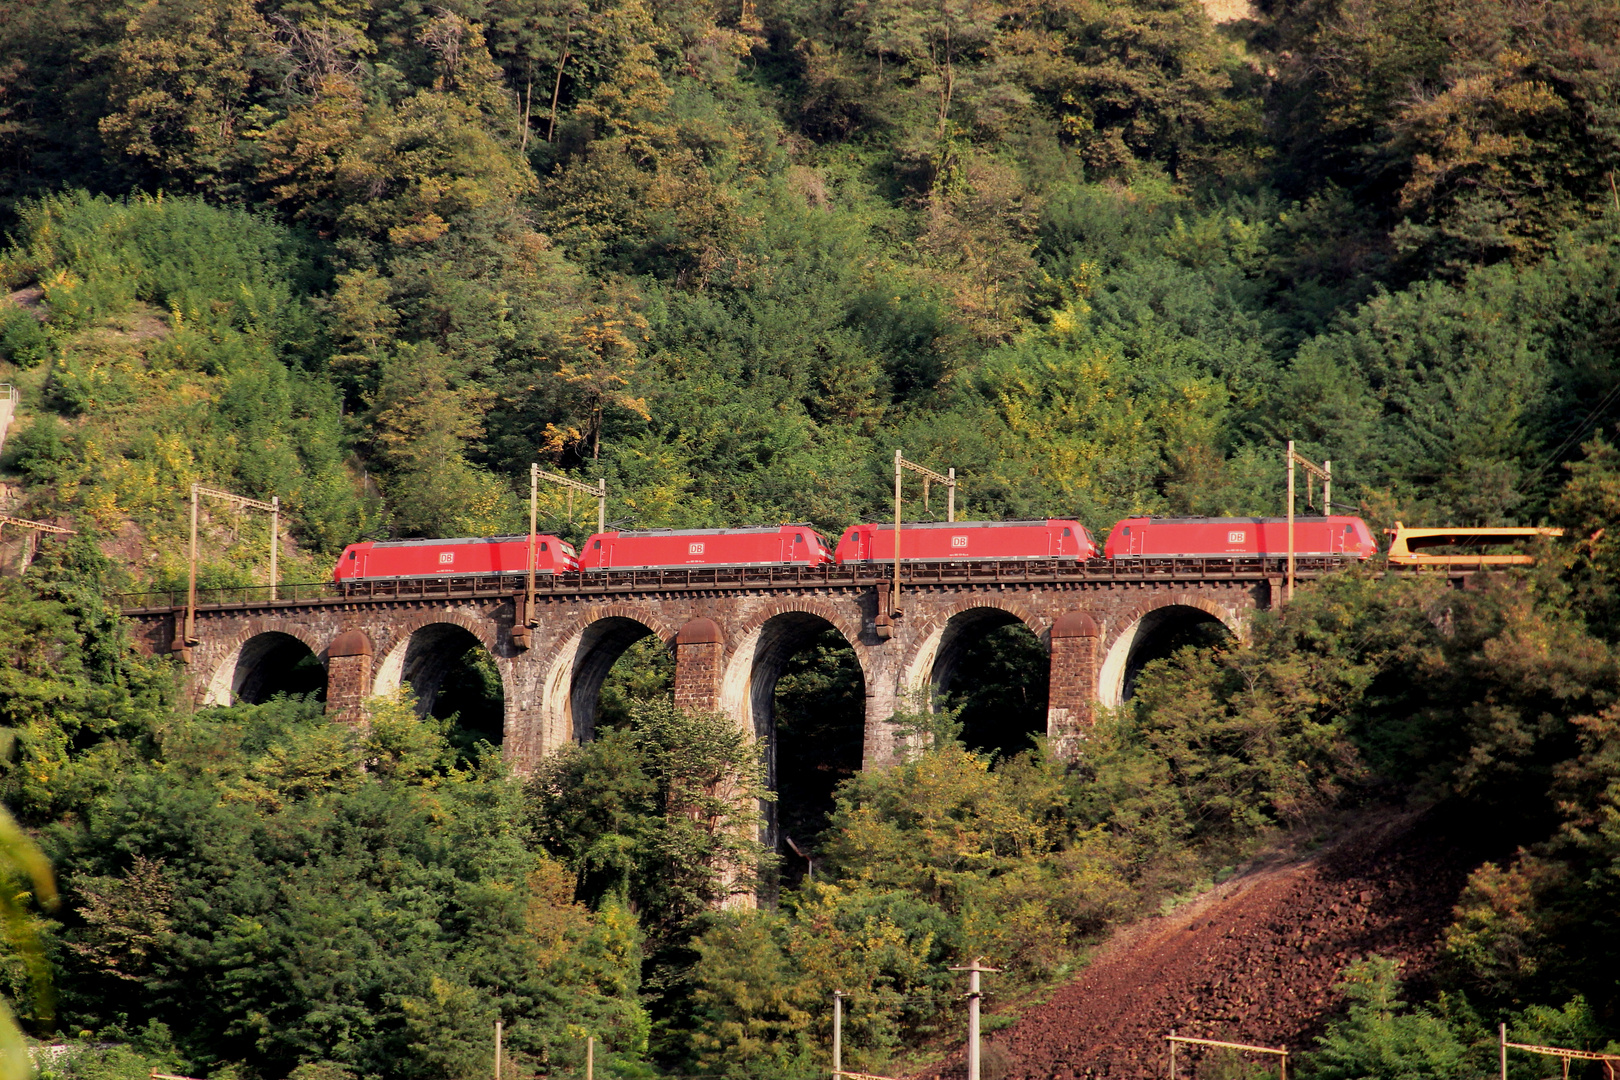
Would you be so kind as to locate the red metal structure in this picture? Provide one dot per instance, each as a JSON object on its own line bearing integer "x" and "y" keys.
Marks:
{"x": 655, "y": 549}
{"x": 974, "y": 541}
{"x": 463, "y": 557}
{"x": 1150, "y": 538}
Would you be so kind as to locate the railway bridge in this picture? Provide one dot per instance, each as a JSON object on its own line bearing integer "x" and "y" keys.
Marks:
{"x": 732, "y": 632}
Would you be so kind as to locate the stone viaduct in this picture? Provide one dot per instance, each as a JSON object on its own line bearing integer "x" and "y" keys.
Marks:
{"x": 731, "y": 636}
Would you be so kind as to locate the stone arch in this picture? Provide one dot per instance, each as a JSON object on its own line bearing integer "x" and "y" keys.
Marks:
{"x": 1128, "y": 634}
{"x": 247, "y": 651}
{"x": 421, "y": 650}
{"x": 574, "y": 669}
{"x": 760, "y": 651}
{"x": 764, "y": 643}
{"x": 930, "y": 663}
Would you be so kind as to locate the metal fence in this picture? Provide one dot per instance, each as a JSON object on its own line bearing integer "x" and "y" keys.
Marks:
{"x": 589, "y": 583}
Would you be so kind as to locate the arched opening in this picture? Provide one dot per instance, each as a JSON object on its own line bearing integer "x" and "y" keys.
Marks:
{"x": 601, "y": 645}
{"x": 472, "y": 692}
{"x": 1159, "y": 634}
{"x": 452, "y": 674}
{"x": 645, "y": 671}
{"x": 996, "y": 671}
{"x": 819, "y": 717}
{"x": 266, "y": 665}
{"x": 799, "y": 682}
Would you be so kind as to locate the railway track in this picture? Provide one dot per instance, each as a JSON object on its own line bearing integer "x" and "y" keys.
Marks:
{"x": 709, "y": 578}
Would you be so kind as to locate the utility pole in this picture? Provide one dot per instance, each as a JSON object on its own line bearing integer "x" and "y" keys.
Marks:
{"x": 894, "y": 588}
{"x": 928, "y": 475}
{"x": 598, "y": 491}
{"x": 36, "y": 526}
{"x": 497, "y": 1050}
{"x": 838, "y": 1035}
{"x": 534, "y": 510}
{"x": 974, "y": 970}
{"x": 273, "y": 508}
{"x": 1323, "y": 472}
{"x": 590, "y": 1057}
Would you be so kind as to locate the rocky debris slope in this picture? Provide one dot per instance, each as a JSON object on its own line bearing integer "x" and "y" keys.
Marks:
{"x": 1253, "y": 961}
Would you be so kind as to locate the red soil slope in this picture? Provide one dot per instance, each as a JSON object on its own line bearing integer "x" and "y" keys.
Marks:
{"x": 1253, "y": 961}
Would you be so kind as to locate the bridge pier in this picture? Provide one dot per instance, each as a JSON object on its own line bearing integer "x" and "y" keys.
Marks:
{"x": 700, "y": 663}
{"x": 731, "y": 640}
{"x": 348, "y": 676}
{"x": 1072, "y": 683}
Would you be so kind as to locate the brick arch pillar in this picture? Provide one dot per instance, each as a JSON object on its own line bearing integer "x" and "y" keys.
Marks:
{"x": 699, "y": 665}
{"x": 1072, "y": 687}
{"x": 348, "y": 676}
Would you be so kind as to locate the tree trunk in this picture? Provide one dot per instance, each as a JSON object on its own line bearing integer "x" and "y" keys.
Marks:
{"x": 528, "y": 97}
{"x": 556, "y": 92}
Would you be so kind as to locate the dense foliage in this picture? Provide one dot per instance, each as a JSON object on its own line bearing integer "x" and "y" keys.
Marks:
{"x": 1101, "y": 256}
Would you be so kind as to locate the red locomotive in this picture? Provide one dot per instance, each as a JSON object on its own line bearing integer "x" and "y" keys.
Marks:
{"x": 464, "y": 557}
{"x": 679, "y": 549}
{"x": 1166, "y": 538}
{"x": 972, "y": 541}
{"x": 800, "y": 545}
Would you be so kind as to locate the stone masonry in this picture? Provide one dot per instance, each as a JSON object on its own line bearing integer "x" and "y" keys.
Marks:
{"x": 730, "y": 646}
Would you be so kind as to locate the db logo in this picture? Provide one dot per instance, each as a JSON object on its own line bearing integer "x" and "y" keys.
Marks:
{"x": 694, "y": 549}
{"x": 1234, "y": 538}
{"x": 958, "y": 541}
{"x": 446, "y": 558}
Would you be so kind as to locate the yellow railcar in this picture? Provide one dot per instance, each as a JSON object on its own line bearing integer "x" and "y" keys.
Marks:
{"x": 1464, "y": 547}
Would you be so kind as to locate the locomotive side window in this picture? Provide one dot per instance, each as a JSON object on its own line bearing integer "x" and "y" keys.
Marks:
{"x": 798, "y": 538}
{"x": 1127, "y": 530}
{"x": 351, "y": 556}
{"x": 543, "y": 546}
{"x": 596, "y": 546}
{"x": 1068, "y": 532}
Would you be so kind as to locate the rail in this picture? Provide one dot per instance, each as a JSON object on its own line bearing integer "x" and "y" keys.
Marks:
{"x": 609, "y": 582}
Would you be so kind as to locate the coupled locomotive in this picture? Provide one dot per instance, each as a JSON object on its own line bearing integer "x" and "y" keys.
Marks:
{"x": 1053, "y": 540}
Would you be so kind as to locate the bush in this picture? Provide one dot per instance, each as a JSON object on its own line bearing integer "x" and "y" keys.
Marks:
{"x": 23, "y": 340}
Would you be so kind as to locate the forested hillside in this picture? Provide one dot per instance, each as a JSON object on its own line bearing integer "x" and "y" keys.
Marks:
{"x": 1102, "y": 257}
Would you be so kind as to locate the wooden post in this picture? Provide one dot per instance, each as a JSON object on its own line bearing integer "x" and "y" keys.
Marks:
{"x": 497, "y": 1050}
{"x": 1172, "y": 1054}
{"x": 601, "y": 504}
{"x": 950, "y": 495}
{"x": 275, "y": 536}
{"x": 590, "y": 1057}
{"x": 1502, "y": 1033}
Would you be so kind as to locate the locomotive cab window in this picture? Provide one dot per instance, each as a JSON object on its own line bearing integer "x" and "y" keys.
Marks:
{"x": 543, "y": 546}
{"x": 1127, "y": 530}
{"x": 596, "y": 546}
{"x": 798, "y": 538}
{"x": 1068, "y": 532}
{"x": 351, "y": 555}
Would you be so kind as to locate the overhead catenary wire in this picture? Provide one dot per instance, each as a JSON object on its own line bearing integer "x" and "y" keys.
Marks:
{"x": 1580, "y": 430}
